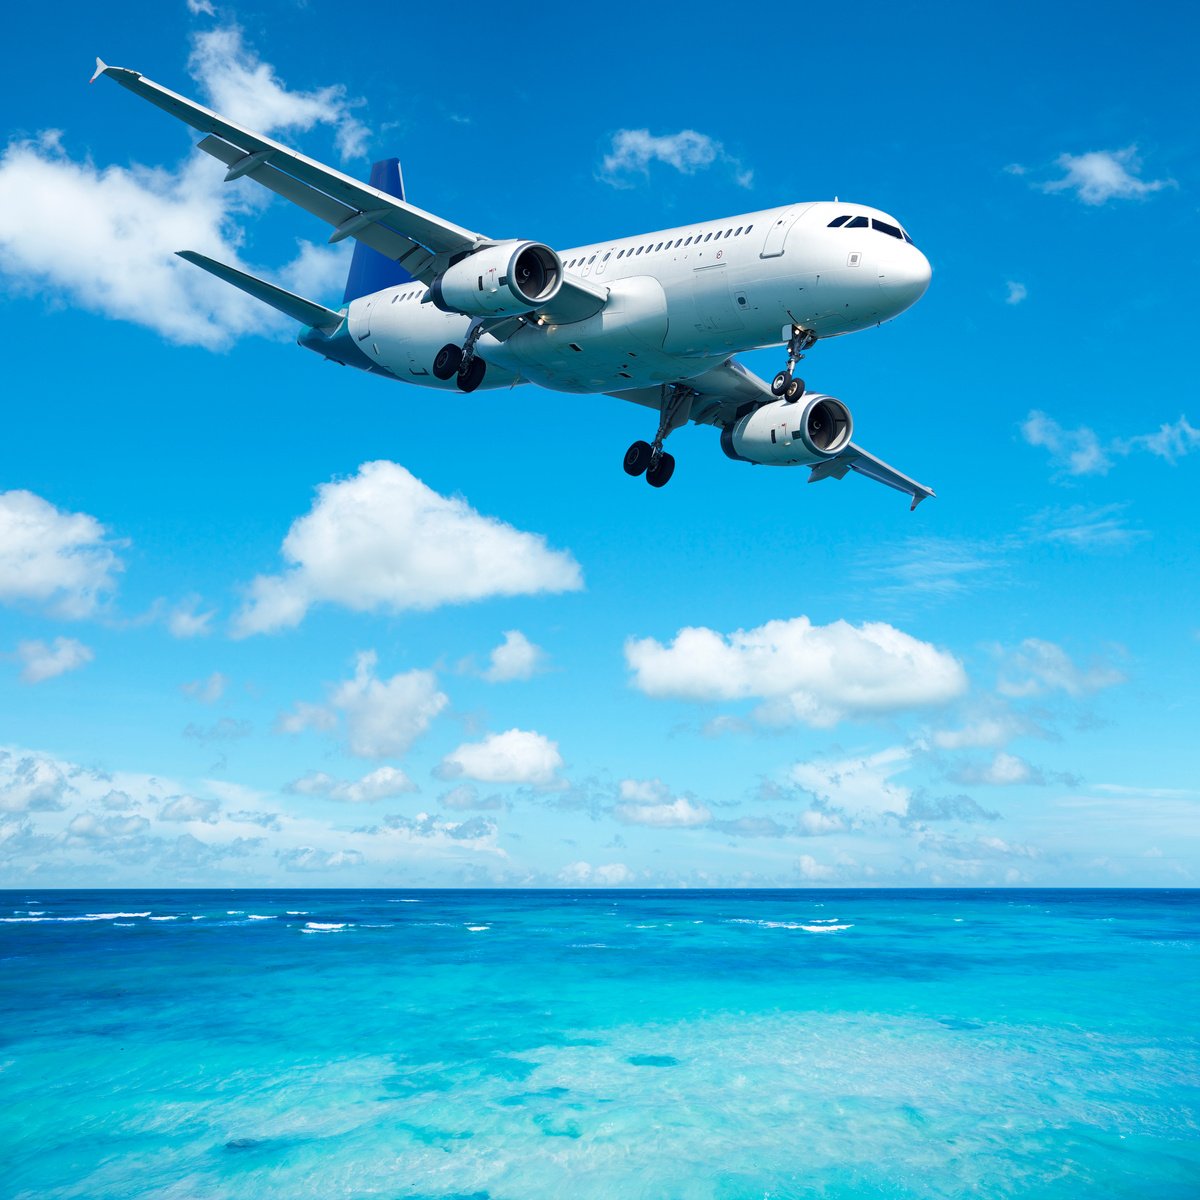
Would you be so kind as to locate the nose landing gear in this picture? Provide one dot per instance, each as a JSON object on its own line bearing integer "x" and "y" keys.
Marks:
{"x": 469, "y": 367}
{"x": 650, "y": 459}
{"x": 785, "y": 384}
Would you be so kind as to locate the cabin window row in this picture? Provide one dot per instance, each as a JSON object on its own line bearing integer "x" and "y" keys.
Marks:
{"x": 651, "y": 248}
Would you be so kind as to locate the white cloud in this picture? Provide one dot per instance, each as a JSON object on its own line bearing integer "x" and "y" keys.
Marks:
{"x": 515, "y": 658}
{"x": 817, "y": 674}
{"x": 381, "y": 784}
{"x": 383, "y": 541}
{"x": 466, "y": 798}
{"x": 105, "y": 237}
{"x": 307, "y": 716}
{"x": 808, "y": 868}
{"x": 32, "y": 783}
{"x": 207, "y": 691}
{"x": 42, "y": 661}
{"x": 49, "y": 556}
{"x": 311, "y": 858}
{"x": 860, "y": 785}
{"x": 1016, "y": 292}
{"x": 1038, "y": 666}
{"x": 649, "y": 802}
{"x": 1084, "y": 528}
{"x": 582, "y": 874}
{"x": 184, "y": 621}
{"x": 1103, "y": 175}
{"x": 986, "y": 732}
{"x": 240, "y": 86}
{"x": 1004, "y": 769}
{"x": 516, "y": 756}
{"x": 189, "y": 808}
{"x": 201, "y": 8}
{"x": 385, "y": 717}
{"x": 1171, "y": 442}
{"x": 1078, "y": 451}
{"x": 633, "y": 150}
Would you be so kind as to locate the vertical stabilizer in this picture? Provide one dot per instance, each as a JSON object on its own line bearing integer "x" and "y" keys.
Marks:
{"x": 371, "y": 271}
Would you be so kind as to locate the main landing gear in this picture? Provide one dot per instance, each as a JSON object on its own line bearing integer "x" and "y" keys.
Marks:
{"x": 649, "y": 459}
{"x": 785, "y": 384}
{"x": 464, "y": 362}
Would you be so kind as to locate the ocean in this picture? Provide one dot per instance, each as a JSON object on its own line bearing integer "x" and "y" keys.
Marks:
{"x": 520, "y": 1045}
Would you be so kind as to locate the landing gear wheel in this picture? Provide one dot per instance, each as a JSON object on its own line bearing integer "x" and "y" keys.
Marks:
{"x": 637, "y": 458}
{"x": 794, "y": 390}
{"x": 660, "y": 472}
{"x": 447, "y": 362}
{"x": 780, "y": 383}
{"x": 472, "y": 377}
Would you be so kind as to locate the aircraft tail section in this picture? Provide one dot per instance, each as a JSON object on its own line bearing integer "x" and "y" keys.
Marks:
{"x": 307, "y": 312}
{"x": 371, "y": 271}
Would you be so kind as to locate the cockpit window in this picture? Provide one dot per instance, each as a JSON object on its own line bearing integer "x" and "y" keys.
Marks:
{"x": 858, "y": 223}
{"x": 837, "y": 222}
{"x": 884, "y": 227}
{"x": 909, "y": 240}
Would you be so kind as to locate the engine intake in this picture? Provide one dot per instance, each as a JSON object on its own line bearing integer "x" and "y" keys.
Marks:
{"x": 502, "y": 280}
{"x": 784, "y": 434}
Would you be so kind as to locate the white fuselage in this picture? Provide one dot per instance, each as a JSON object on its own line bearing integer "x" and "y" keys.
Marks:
{"x": 681, "y": 301}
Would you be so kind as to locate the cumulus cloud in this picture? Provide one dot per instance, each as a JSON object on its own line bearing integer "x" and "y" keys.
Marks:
{"x": 186, "y": 621}
{"x": 1169, "y": 442}
{"x": 465, "y": 798}
{"x": 1038, "y": 666}
{"x": 651, "y": 803}
{"x": 385, "y": 716}
{"x": 189, "y": 808}
{"x": 862, "y": 785}
{"x": 515, "y": 658}
{"x": 922, "y": 807}
{"x": 1103, "y": 175}
{"x": 985, "y": 732}
{"x": 201, "y": 8}
{"x": 515, "y": 756}
{"x": 581, "y": 874}
{"x": 478, "y": 831}
{"x": 105, "y": 237}
{"x": 816, "y": 674}
{"x": 383, "y": 541}
{"x": 312, "y": 858}
{"x": 634, "y": 150}
{"x": 42, "y": 661}
{"x": 32, "y": 783}
{"x": 62, "y": 560}
{"x": 1003, "y": 769}
{"x": 381, "y": 784}
{"x": 1016, "y": 292}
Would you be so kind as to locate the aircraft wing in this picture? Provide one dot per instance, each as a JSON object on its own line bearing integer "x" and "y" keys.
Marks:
{"x": 420, "y": 241}
{"x": 728, "y": 392}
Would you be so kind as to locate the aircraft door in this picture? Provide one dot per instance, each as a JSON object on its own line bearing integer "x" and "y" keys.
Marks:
{"x": 777, "y": 235}
{"x": 602, "y": 265}
{"x": 360, "y": 318}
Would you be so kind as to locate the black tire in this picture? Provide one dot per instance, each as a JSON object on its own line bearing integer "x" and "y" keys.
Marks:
{"x": 447, "y": 362}
{"x": 637, "y": 458}
{"x": 660, "y": 474}
{"x": 779, "y": 384}
{"x": 795, "y": 390}
{"x": 472, "y": 377}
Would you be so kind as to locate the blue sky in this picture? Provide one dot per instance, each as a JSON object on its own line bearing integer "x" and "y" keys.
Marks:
{"x": 267, "y": 621}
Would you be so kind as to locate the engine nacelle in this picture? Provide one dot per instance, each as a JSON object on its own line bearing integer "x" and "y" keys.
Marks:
{"x": 780, "y": 434}
{"x": 502, "y": 280}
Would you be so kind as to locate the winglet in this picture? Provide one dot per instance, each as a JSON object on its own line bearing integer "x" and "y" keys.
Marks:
{"x": 101, "y": 67}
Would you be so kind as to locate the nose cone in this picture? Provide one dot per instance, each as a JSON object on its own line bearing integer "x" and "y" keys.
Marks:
{"x": 904, "y": 278}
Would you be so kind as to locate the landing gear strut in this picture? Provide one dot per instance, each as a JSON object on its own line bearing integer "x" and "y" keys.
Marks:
{"x": 785, "y": 384}
{"x": 649, "y": 459}
{"x": 464, "y": 362}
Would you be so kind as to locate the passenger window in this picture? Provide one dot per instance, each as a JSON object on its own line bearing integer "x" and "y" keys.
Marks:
{"x": 749, "y": 227}
{"x": 737, "y": 232}
{"x": 884, "y": 227}
{"x": 858, "y": 223}
{"x": 592, "y": 259}
{"x": 838, "y": 222}
{"x": 688, "y": 242}
{"x": 658, "y": 247}
{"x": 707, "y": 236}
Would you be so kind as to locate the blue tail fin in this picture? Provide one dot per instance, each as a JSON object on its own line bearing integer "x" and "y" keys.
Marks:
{"x": 371, "y": 271}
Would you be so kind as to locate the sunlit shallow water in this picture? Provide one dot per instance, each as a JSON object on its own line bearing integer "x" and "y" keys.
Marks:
{"x": 521, "y": 1045}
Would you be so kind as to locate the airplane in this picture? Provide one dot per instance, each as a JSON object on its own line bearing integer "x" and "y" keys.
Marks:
{"x": 654, "y": 319}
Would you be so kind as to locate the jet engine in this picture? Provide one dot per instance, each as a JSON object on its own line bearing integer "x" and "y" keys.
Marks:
{"x": 783, "y": 434}
{"x": 502, "y": 280}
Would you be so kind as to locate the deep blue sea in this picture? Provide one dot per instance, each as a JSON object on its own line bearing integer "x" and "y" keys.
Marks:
{"x": 527, "y": 1045}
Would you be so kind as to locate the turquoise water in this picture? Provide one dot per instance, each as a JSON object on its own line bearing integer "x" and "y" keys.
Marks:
{"x": 521, "y": 1045}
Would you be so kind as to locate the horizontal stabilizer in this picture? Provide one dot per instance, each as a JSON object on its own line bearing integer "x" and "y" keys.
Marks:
{"x": 288, "y": 303}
